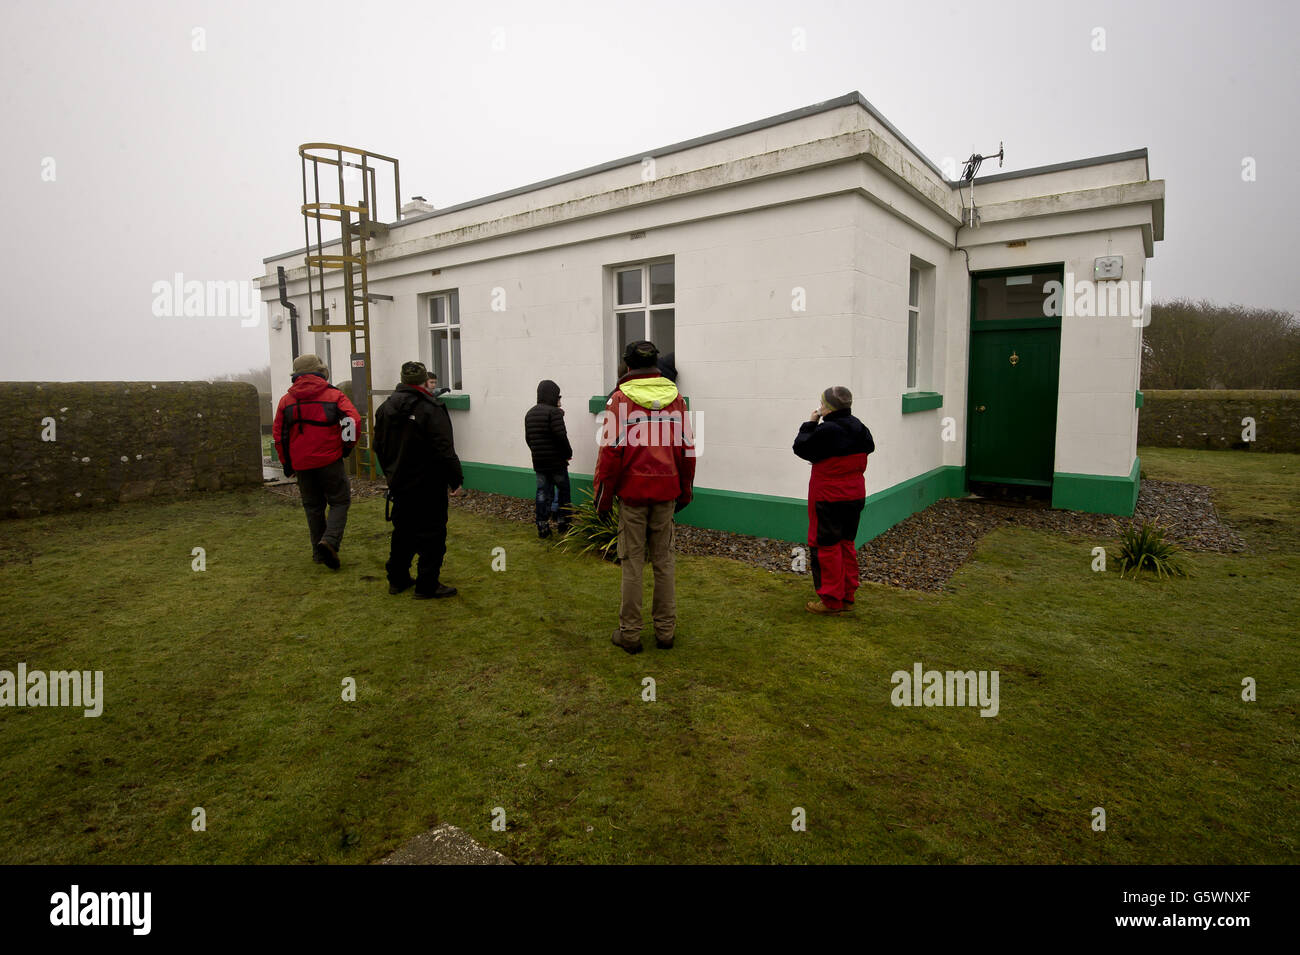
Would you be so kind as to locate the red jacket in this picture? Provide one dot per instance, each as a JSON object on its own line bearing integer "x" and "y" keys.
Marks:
{"x": 308, "y": 428}
{"x": 647, "y": 453}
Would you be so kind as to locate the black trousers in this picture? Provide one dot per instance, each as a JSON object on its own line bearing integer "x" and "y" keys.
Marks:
{"x": 419, "y": 527}
{"x": 321, "y": 486}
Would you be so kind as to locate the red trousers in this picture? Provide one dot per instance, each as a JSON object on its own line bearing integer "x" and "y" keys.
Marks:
{"x": 832, "y": 528}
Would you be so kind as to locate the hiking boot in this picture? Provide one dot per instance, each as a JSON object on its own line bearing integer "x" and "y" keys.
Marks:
{"x": 442, "y": 590}
{"x": 543, "y": 531}
{"x": 816, "y": 606}
{"x": 663, "y": 644}
{"x": 328, "y": 554}
{"x": 400, "y": 588}
{"x": 848, "y": 607}
{"x": 628, "y": 647}
{"x": 562, "y": 528}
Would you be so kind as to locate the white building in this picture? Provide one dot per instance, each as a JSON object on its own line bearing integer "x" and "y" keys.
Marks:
{"x": 775, "y": 259}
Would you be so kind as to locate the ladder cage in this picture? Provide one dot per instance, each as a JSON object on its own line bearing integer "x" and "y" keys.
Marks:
{"x": 352, "y": 209}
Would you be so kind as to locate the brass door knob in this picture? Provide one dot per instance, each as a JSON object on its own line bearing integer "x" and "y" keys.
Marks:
{"x": 979, "y": 408}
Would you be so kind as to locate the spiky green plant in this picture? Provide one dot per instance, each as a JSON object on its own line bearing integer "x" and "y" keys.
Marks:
{"x": 589, "y": 530}
{"x": 1145, "y": 547}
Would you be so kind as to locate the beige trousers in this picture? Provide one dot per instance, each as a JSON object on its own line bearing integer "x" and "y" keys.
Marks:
{"x": 647, "y": 532}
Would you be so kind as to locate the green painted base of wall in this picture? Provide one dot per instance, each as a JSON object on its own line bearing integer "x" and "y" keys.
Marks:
{"x": 513, "y": 481}
{"x": 759, "y": 515}
{"x": 1097, "y": 493}
{"x": 886, "y": 508}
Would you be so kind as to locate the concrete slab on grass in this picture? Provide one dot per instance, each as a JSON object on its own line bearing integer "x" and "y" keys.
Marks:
{"x": 445, "y": 845}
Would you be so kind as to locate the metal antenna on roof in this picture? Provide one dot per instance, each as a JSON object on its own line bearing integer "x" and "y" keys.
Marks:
{"x": 968, "y": 172}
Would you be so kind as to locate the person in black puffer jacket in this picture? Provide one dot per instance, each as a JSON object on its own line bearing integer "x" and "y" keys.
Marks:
{"x": 415, "y": 447}
{"x": 548, "y": 440}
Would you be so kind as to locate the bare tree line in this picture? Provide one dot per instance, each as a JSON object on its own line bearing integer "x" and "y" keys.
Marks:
{"x": 1202, "y": 345}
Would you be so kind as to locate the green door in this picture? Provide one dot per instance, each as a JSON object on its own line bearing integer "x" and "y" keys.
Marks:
{"x": 1015, "y": 354}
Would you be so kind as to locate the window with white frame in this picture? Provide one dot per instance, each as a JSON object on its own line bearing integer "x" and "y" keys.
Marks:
{"x": 442, "y": 331}
{"x": 913, "y": 324}
{"x": 920, "y": 319}
{"x": 645, "y": 298}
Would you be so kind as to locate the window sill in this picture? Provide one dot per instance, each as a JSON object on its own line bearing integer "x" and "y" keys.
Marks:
{"x": 915, "y": 401}
{"x": 596, "y": 403}
{"x": 458, "y": 402}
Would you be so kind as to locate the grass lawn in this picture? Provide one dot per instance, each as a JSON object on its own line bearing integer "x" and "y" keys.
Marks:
{"x": 223, "y": 691}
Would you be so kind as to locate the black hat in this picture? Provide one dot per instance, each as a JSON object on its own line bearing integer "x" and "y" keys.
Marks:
{"x": 641, "y": 354}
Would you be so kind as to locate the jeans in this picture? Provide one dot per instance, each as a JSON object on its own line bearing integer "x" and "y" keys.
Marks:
{"x": 552, "y": 496}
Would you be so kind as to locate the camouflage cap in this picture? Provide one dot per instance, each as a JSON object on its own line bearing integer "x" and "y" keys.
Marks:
{"x": 414, "y": 373}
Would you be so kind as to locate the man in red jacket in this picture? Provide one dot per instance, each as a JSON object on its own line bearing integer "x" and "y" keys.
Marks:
{"x": 647, "y": 461}
{"x": 837, "y": 447}
{"x": 315, "y": 428}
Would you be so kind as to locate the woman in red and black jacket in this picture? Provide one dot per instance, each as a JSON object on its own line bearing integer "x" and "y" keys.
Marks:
{"x": 837, "y": 491}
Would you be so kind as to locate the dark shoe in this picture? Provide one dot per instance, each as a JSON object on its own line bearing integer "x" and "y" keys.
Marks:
{"x": 663, "y": 645}
{"x": 848, "y": 607}
{"x": 633, "y": 648}
{"x": 315, "y": 557}
{"x": 328, "y": 555}
{"x": 395, "y": 589}
{"x": 543, "y": 531}
{"x": 438, "y": 593}
{"x": 816, "y": 606}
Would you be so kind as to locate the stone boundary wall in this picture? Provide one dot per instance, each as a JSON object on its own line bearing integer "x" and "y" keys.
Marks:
{"x": 1212, "y": 419}
{"x": 68, "y": 445}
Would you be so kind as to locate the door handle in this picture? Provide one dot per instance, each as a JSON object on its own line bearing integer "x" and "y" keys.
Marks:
{"x": 979, "y": 408}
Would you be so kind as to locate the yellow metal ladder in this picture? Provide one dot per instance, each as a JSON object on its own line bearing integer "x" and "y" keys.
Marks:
{"x": 354, "y": 206}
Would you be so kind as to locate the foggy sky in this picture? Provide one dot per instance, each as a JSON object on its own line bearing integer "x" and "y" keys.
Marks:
{"x": 167, "y": 159}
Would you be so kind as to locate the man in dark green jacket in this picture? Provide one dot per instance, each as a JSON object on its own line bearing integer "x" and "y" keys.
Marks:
{"x": 416, "y": 449}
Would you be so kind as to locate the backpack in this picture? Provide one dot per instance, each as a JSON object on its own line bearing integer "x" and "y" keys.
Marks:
{"x": 292, "y": 415}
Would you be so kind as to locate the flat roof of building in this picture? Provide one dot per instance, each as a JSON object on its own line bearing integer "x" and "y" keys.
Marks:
{"x": 848, "y": 99}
